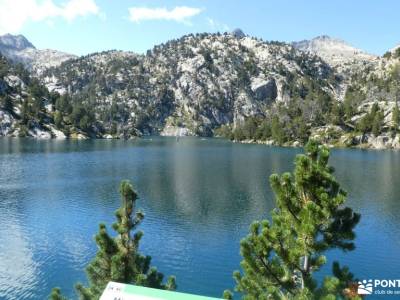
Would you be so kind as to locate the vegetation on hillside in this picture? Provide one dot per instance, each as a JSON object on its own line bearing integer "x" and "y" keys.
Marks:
{"x": 311, "y": 107}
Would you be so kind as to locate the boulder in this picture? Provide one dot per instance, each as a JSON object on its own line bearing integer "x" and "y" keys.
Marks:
{"x": 296, "y": 144}
{"x": 170, "y": 130}
{"x": 264, "y": 90}
{"x": 379, "y": 142}
{"x": 6, "y": 121}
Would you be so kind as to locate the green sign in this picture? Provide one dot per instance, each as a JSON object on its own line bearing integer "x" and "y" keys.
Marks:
{"x": 120, "y": 291}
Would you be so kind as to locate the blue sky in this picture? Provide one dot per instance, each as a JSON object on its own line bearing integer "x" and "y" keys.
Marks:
{"x": 85, "y": 26}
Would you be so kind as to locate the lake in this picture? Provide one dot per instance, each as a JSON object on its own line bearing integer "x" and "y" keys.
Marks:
{"x": 199, "y": 197}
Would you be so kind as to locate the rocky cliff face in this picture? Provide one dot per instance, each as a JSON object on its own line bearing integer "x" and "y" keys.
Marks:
{"x": 198, "y": 82}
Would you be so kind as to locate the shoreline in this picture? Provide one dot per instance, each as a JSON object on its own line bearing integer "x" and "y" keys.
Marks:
{"x": 381, "y": 142}
{"x": 336, "y": 145}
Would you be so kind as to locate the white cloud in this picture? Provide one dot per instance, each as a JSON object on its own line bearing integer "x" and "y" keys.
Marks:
{"x": 180, "y": 14}
{"x": 215, "y": 25}
{"x": 79, "y": 8}
{"x": 15, "y": 13}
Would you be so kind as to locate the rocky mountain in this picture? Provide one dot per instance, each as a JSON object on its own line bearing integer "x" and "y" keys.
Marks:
{"x": 334, "y": 51}
{"x": 14, "y": 42}
{"x": 221, "y": 84}
{"x": 18, "y": 49}
{"x": 344, "y": 58}
{"x": 369, "y": 83}
{"x": 198, "y": 82}
{"x": 25, "y": 104}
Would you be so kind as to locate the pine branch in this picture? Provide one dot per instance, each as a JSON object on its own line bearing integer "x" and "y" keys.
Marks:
{"x": 261, "y": 259}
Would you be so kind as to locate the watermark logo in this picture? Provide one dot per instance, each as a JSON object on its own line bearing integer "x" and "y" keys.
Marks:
{"x": 365, "y": 287}
{"x": 378, "y": 287}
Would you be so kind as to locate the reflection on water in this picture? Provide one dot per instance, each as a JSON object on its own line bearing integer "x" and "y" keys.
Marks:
{"x": 18, "y": 268}
{"x": 199, "y": 197}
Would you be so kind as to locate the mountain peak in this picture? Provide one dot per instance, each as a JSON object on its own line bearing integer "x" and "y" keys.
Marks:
{"x": 323, "y": 37}
{"x": 320, "y": 41}
{"x": 15, "y": 42}
{"x": 238, "y": 33}
{"x": 17, "y": 48}
{"x": 327, "y": 38}
{"x": 332, "y": 50}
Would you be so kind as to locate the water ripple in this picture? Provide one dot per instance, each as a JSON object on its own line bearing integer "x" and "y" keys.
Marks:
{"x": 199, "y": 198}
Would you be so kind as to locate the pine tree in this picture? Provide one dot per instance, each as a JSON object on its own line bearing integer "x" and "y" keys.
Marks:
{"x": 25, "y": 112}
{"x": 7, "y": 103}
{"x": 377, "y": 122}
{"x": 337, "y": 115}
{"x": 56, "y": 294}
{"x": 118, "y": 258}
{"x": 58, "y": 119}
{"x": 277, "y": 132}
{"x": 395, "y": 118}
{"x": 280, "y": 256}
{"x": 4, "y": 67}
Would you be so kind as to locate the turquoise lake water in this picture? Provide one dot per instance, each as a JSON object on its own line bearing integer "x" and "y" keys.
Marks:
{"x": 199, "y": 197}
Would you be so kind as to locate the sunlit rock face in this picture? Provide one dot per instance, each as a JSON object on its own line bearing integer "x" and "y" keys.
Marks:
{"x": 198, "y": 82}
{"x": 334, "y": 51}
{"x": 264, "y": 90}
